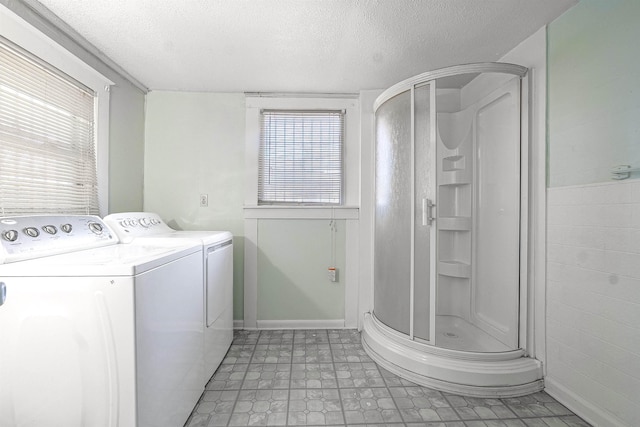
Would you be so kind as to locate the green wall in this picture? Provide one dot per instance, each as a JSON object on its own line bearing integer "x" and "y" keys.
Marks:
{"x": 195, "y": 145}
{"x": 593, "y": 91}
{"x": 293, "y": 257}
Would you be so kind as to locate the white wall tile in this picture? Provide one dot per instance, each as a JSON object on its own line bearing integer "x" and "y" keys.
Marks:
{"x": 593, "y": 294}
{"x": 617, "y": 405}
{"x": 619, "y": 359}
{"x": 623, "y": 240}
{"x": 605, "y": 283}
{"x": 623, "y": 264}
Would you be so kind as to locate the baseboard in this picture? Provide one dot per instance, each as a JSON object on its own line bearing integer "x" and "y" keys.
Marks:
{"x": 301, "y": 324}
{"x": 238, "y": 324}
{"x": 586, "y": 410}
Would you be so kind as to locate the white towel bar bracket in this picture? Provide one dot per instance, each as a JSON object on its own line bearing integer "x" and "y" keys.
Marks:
{"x": 622, "y": 171}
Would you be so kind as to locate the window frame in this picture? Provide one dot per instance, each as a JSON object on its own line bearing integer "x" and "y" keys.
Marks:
{"x": 21, "y": 33}
{"x": 255, "y": 103}
{"x": 300, "y": 113}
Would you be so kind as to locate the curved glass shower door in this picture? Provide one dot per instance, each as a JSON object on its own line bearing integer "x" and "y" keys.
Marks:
{"x": 393, "y": 258}
{"x": 447, "y": 245}
{"x": 404, "y": 208}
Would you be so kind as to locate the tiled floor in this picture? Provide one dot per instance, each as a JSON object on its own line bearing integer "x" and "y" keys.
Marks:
{"x": 320, "y": 378}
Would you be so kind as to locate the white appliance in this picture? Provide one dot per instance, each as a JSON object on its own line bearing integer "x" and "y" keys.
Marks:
{"x": 96, "y": 333}
{"x": 217, "y": 252}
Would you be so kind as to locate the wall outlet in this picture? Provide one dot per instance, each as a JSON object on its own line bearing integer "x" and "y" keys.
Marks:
{"x": 332, "y": 272}
{"x": 204, "y": 200}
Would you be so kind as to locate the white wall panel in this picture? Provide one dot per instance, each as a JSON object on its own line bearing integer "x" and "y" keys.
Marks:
{"x": 593, "y": 301}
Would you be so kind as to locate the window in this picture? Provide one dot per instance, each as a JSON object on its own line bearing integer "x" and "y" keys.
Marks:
{"x": 301, "y": 157}
{"x": 47, "y": 138}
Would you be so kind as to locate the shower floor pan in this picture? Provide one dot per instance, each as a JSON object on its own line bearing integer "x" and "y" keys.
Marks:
{"x": 492, "y": 373}
{"x": 455, "y": 333}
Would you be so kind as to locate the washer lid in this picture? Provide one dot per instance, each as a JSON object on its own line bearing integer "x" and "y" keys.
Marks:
{"x": 134, "y": 225}
{"x": 130, "y": 225}
{"x": 116, "y": 260}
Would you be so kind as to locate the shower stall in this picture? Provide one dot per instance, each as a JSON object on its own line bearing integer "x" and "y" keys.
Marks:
{"x": 450, "y": 233}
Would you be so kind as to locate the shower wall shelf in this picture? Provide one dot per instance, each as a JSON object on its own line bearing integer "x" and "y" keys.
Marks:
{"x": 454, "y": 223}
{"x": 458, "y": 177}
{"x": 453, "y": 163}
{"x": 454, "y": 269}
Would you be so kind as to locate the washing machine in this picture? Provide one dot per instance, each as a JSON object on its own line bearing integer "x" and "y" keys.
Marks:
{"x": 94, "y": 332}
{"x": 217, "y": 254}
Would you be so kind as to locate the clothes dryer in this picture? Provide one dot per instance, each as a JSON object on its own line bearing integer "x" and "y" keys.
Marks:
{"x": 97, "y": 333}
{"x": 217, "y": 254}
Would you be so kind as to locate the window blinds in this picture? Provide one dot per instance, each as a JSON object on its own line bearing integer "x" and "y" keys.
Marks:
{"x": 47, "y": 138}
{"x": 300, "y": 160}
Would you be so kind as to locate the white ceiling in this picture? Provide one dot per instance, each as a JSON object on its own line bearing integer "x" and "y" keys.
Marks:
{"x": 332, "y": 46}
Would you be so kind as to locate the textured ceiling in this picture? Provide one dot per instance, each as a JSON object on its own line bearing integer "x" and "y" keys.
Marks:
{"x": 299, "y": 45}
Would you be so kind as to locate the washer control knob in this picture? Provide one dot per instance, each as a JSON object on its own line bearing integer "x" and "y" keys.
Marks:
{"x": 31, "y": 232}
{"x": 10, "y": 235}
{"x": 145, "y": 222}
{"x": 95, "y": 227}
{"x": 50, "y": 229}
{"x": 66, "y": 228}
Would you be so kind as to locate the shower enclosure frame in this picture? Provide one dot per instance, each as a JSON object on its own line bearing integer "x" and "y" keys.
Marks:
{"x": 504, "y": 373}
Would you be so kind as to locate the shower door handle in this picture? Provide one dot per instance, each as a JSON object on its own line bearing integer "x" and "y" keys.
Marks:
{"x": 427, "y": 212}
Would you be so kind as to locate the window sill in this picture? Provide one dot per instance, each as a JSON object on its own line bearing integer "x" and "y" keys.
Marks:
{"x": 301, "y": 212}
